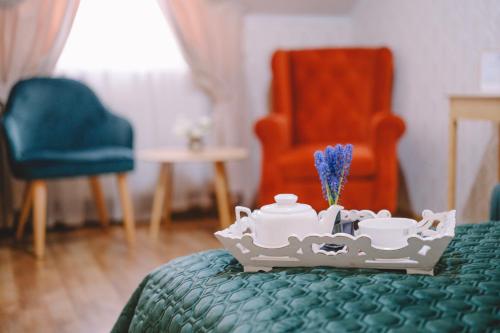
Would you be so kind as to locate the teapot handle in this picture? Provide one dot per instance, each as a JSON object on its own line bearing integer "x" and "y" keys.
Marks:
{"x": 240, "y": 209}
{"x": 246, "y": 222}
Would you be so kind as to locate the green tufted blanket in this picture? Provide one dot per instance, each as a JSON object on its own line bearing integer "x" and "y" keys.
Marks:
{"x": 208, "y": 292}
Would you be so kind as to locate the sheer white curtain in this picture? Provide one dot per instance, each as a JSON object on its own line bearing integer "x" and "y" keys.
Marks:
{"x": 32, "y": 36}
{"x": 125, "y": 51}
{"x": 32, "y": 33}
{"x": 210, "y": 33}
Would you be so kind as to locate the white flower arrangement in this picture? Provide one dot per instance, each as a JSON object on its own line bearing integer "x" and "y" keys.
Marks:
{"x": 193, "y": 130}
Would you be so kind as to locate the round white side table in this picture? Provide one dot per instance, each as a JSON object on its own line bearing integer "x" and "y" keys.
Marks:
{"x": 163, "y": 193}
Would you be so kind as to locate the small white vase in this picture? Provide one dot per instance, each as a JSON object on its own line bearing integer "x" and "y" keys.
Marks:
{"x": 195, "y": 143}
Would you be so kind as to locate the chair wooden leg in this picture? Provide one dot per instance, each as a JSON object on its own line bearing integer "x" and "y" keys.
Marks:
{"x": 167, "y": 205}
{"x": 222, "y": 194}
{"x": 161, "y": 200}
{"x": 39, "y": 216}
{"x": 100, "y": 202}
{"x": 25, "y": 210}
{"x": 128, "y": 211}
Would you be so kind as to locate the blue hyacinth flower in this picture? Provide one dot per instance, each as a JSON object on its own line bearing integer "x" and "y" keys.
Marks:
{"x": 324, "y": 174}
{"x": 333, "y": 168}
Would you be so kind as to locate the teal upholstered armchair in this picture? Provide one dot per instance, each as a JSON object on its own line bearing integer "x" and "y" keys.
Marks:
{"x": 495, "y": 204}
{"x": 57, "y": 128}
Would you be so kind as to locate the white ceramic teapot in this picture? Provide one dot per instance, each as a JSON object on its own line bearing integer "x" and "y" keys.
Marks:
{"x": 273, "y": 224}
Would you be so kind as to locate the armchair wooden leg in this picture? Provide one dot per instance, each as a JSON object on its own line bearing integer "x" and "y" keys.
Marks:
{"x": 25, "y": 210}
{"x": 100, "y": 202}
{"x": 39, "y": 216}
{"x": 128, "y": 211}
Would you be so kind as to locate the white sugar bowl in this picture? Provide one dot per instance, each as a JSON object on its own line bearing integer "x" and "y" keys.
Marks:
{"x": 388, "y": 233}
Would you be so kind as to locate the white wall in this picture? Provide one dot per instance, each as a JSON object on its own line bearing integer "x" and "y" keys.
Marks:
{"x": 262, "y": 35}
{"x": 437, "y": 47}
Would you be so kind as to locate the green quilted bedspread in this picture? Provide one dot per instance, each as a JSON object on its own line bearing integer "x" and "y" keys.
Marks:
{"x": 209, "y": 292}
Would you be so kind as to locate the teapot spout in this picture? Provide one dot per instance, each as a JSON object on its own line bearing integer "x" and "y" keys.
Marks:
{"x": 328, "y": 217}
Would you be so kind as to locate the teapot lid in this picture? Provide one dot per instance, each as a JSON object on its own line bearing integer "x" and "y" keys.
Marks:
{"x": 286, "y": 204}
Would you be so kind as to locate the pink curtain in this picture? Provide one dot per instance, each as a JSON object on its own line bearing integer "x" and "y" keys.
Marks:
{"x": 32, "y": 35}
{"x": 210, "y": 34}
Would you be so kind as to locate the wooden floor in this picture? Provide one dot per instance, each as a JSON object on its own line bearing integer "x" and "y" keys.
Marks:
{"x": 87, "y": 275}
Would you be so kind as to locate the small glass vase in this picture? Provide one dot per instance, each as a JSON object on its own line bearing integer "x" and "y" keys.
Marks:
{"x": 195, "y": 144}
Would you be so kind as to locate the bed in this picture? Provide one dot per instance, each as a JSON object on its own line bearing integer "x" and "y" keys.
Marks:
{"x": 209, "y": 292}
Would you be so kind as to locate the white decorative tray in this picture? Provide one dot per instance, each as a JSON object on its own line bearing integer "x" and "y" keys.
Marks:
{"x": 434, "y": 233}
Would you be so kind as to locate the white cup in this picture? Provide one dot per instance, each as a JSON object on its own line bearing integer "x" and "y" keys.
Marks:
{"x": 388, "y": 233}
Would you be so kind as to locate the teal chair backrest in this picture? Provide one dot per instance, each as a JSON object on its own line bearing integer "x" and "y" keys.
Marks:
{"x": 45, "y": 114}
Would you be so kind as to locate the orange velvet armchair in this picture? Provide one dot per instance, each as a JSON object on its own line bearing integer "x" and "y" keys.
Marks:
{"x": 324, "y": 97}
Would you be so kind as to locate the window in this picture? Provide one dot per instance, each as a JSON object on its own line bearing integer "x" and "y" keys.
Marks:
{"x": 122, "y": 36}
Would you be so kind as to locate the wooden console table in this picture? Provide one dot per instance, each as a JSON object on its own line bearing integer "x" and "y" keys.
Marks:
{"x": 167, "y": 157}
{"x": 468, "y": 106}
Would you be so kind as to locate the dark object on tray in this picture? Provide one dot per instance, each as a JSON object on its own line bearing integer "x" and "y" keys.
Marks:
{"x": 209, "y": 291}
{"x": 344, "y": 226}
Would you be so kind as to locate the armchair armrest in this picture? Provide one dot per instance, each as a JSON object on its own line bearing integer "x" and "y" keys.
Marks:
{"x": 274, "y": 132}
{"x": 386, "y": 129}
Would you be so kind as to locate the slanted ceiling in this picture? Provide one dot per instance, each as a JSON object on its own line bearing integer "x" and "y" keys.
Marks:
{"x": 299, "y": 7}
